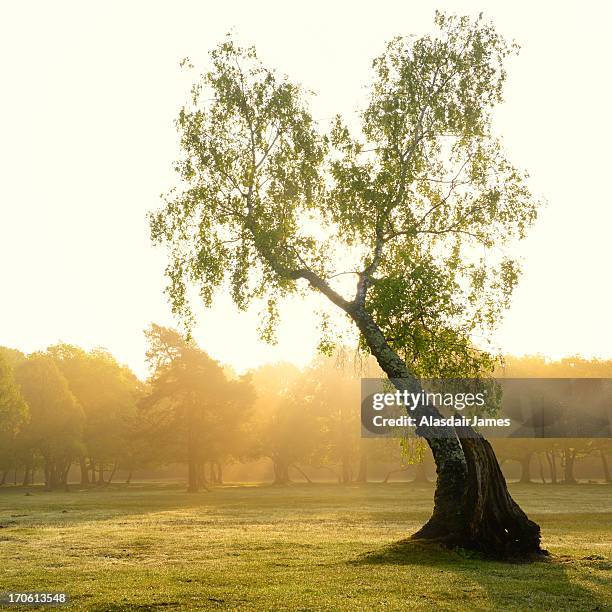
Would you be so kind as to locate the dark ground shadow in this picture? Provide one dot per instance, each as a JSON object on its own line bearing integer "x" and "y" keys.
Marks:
{"x": 538, "y": 585}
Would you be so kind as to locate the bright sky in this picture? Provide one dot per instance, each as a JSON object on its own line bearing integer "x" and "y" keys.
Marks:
{"x": 89, "y": 94}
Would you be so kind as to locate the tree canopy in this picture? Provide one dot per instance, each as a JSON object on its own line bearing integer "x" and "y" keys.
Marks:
{"x": 56, "y": 417}
{"x": 414, "y": 200}
{"x": 108, "y": 393}
{"x": 192, "y": 404}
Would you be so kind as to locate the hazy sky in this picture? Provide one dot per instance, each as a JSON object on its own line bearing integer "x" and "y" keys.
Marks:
{"x": 89, "y": 94}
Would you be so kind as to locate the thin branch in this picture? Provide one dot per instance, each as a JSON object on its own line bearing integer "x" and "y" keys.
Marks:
{"x": 342, "y": 274}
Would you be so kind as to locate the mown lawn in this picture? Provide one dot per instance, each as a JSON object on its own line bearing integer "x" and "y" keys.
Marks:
{"x": 303, "y": 547}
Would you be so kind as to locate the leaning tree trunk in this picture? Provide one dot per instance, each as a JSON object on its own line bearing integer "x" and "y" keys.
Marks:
{"x": 473, "y": 508}
{"x": 302, "y": 472}
{"x": 112, "y": 474}
{"x": 494, "y": 523}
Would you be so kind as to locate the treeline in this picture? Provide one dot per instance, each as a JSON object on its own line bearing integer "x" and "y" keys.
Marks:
{"x": 68, "y": 407}
{"x": 63, "y": 406}
{"x": 554, "y": 459}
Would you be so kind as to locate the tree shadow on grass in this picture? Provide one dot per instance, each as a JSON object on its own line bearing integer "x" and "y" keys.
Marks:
{"x": 553, "y": 583}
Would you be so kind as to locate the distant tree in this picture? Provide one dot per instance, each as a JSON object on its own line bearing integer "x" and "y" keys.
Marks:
{"x": 146, "y": 446}
{"x": 55, "y": 428}
{"x": 538, "y": 366}
{"x": 13, "y": 357}
{"x": 521, "y": 450}
{"x": 573, "y": 449}
{"x": 191, "y": 404}
{"x": 410, "y": 452}
{"x": 14, "y": 413}
{"x": 230, "y": 430}
{"x": 566, "y": 450}
{"x": 334, "y": 384}
{"x": 108, "y": 393}
{"x": 414, "y": 204}
{"x": 13, "y": 408}
{"x": 331, "y": 386}
{"x": 604, "y": 448}
{"x": 284, "y": 427}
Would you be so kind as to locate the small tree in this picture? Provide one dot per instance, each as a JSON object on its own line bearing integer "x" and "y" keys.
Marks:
{"x": 107, "y": 392}
{"x": 55, "y": 427}
{"x": 332, "y": 387}
{"x": 284, "y": 428}
{"x": 14, "y": 414}
{"x": 412, "y": 205}
{"x": 13, "y": 408}
{"x": 191, "y": 403}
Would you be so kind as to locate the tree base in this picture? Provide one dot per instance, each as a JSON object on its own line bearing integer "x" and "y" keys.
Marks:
{"x": 487, "y": 520}
{"x": 455, "y": 543}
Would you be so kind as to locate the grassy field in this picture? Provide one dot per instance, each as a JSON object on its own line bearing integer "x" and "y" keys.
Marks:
{"x": 315, "y": 547}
